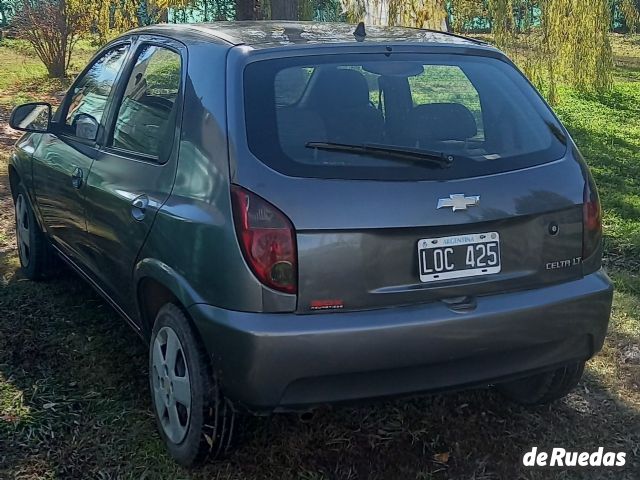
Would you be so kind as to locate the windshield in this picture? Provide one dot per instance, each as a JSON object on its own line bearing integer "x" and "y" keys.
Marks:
{"x": 478, "y": 110}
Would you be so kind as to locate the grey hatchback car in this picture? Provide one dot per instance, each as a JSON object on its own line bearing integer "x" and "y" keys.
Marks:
{"x": 291, "y": 215}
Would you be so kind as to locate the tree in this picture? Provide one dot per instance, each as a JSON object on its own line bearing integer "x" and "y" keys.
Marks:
{"x": 575, "y": 43}
{"x": 8, "y": 8}
{"x": 502, "y": 21}
{"x": 52, "y": 27}
{"x": 413, "y": 13}
{"x": 284, "y": 9}
{"x": 569, "y": 45}
{"x": 247, "y": 9}
{"x": 112, "y": 17}
{"x": 630, "y": 10}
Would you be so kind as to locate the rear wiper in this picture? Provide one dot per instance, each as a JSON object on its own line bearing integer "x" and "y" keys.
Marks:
{"x": 413, "y": 155}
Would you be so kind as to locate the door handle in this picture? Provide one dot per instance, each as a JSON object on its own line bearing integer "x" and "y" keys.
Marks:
{"x": 139, "y": 207}
{"x": 76, "y": 177}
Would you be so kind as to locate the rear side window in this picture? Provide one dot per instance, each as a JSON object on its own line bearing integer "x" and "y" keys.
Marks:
{"x": 146, "y": 117}
{"x": 479, "y": 111}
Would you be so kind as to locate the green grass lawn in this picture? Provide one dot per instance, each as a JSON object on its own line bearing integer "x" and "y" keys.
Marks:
{"x": 74, "y": 399}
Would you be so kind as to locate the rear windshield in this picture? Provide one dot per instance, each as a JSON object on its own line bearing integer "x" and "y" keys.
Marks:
{"x": 306, "y": 115}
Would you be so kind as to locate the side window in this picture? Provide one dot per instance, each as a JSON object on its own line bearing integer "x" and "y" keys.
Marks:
{"x": 146, "y": 118}
{"x": 90, "y": 94}
{"x": 447, "y": 84}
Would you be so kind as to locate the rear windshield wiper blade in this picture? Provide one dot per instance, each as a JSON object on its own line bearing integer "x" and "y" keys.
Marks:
{"x": 413, "y": 155}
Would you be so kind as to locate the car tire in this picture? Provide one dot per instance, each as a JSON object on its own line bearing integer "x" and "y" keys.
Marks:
{"x": 34, "y": 251}
{"x": 205, "y": 428}
{"x": 543, "y": 388}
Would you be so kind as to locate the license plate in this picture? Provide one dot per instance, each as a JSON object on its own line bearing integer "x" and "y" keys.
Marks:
{"x": 459, "y": 256}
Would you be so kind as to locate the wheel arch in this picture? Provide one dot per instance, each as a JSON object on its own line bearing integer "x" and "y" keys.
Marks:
{"x": 156, "y": 285}
{"x": 14, "y": 180}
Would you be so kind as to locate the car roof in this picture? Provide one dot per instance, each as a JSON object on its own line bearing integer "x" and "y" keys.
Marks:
{"x": 272, "y": 34}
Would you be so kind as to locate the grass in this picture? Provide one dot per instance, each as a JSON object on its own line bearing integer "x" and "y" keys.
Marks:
{"x": 24, "y": 77}
{"x": 74, "y": 400}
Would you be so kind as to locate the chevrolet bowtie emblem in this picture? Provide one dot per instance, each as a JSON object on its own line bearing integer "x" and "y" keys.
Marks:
{"x": 458, "y": 201}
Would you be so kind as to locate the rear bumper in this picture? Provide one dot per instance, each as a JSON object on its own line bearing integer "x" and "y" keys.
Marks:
{"x": 282, "y": 361}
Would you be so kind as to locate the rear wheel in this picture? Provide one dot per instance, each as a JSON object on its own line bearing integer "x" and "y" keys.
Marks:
{"x": 545, "y": 387}
{"x": 195, "y": 420}
{"x": 34, "y": 251}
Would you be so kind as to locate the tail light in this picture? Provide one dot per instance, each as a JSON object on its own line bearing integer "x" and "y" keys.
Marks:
{"x": 267, "y": 239}
{"x": 592, "y": 220}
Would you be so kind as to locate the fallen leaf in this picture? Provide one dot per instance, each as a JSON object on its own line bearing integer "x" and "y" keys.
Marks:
{"x": 441, "y": 457}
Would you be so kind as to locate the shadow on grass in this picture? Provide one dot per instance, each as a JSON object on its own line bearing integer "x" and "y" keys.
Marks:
{"x": 613, "y": 159}
{"x": 619, "y": 98}
{"x": 82, "y": 377}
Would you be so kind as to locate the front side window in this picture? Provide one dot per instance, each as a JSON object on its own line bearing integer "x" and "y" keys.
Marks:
{"x": 146, "y": 119}
{"x": 89, "y": 97}
{"x": 370, "y": 116}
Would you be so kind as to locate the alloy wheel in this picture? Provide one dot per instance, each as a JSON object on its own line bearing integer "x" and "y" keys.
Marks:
{"x": 171, "y": 384}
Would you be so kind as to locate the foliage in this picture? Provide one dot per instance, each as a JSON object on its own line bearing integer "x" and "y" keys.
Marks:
{"x": 7, "y": 10}
{"x": 414, "y": 13}
{"x": 112, "y": 17}
{"x": 52, "y": 27}
{"x": 570, "y": 45}
{"x": 630, "y": 10}
{"x": 464, "y": 14}
{"x": 501, "y": 15}
{"x": 419, "y": 13}
{"x": 575, "y": 43}
{"x": 202, "y": 11}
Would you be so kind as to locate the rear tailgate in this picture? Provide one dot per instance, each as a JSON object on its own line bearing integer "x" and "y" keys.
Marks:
{"x": 370, "y": 233}
{"x": 358, "y": 241}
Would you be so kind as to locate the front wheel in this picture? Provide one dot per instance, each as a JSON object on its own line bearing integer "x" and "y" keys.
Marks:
{"x": 543, "y": 388}
{"x": 195, "y": 420}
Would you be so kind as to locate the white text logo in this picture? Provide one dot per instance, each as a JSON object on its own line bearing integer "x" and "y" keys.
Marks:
{"x": 559, "y": 457}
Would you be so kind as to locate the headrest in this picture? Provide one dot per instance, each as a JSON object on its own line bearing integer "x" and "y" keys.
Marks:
{"x": 340, "y": 88}
{"x": 442, "y": 121}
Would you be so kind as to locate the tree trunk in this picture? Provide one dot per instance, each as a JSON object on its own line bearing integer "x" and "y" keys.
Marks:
{"x": 284, "y": 9}
{"x": 246, "y": 9}
{"x": 56, "y": 68}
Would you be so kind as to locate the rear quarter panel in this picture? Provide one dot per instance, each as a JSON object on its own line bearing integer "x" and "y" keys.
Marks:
{"x": 193, "y": 239}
